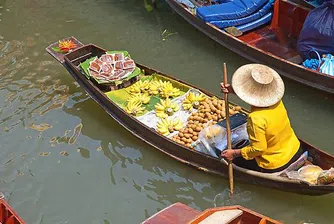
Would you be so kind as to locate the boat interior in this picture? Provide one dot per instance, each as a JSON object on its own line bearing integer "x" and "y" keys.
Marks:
{"x": 271, "y": 26}
{"x": 231, "y": 215}
{"x": 280, "y": 36}
{"x": 182, "y": 214}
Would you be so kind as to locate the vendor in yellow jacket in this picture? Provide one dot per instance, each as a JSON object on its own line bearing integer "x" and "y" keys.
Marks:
{"x": 273, "y": 143}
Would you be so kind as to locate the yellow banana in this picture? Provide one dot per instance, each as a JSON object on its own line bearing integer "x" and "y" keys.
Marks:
{"x": 165, "y": 108}
{"x": 167, "y": 126}
{"x": 169, "y": 91}
{"x": 139, "y": 87}
{"x": 156, "y": 86}
{"x": 134, "y": 108}
{"x": 192, "y": 101}
{"x": 143, "y": 98}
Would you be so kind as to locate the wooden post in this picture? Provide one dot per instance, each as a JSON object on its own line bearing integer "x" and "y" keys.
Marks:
{"x": 228, "y": 132}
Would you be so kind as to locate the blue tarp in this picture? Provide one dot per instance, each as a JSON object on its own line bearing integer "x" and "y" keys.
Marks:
{"x": 235, "y": 9}
{"x": 248, "y": 19}
{"x": 259, "y": 22}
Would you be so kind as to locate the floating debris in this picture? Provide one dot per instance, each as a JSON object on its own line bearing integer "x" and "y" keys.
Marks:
{"x": 64, "y": 153}
{"x": 53, "y": 139}
{"x": 45, "y": 153}
{"x": 167, "y": 34}
{"x": 19, "y": 173}
{"x": 77, "y": 132}
{"x": 29, "y": 137}
{"x": 9, "y": 161}
{"x": 6, "y": 129}
{"x": 23, "y": 155}
{"x": 40, "y": 127}
{"x": 31, "y": 173}
{"x": 99, "y": 149}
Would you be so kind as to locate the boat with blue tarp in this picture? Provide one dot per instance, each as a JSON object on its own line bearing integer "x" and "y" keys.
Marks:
{"x": 263, "y": 31}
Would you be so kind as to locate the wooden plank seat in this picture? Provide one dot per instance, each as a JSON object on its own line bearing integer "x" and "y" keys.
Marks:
{"x": 222, "y": 217}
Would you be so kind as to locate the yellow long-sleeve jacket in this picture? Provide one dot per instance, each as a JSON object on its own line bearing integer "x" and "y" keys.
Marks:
{"x": 273, "y": 142}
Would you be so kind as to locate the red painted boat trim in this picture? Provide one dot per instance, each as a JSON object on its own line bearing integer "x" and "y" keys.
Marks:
{"x": 8, "y": 215}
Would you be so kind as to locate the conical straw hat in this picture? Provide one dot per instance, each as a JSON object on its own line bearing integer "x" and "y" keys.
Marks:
{"x": 258, "y": 85}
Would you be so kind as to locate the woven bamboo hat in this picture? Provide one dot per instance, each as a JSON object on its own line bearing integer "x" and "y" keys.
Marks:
{"x": 258, "y": 85}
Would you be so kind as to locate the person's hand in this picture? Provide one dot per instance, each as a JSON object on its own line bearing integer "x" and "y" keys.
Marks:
{"x": 228, "y": 154}
{"x": 226, "y": 88}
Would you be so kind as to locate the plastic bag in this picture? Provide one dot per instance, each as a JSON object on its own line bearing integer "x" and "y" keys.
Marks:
{"x": 308, "y": 173}
{"x": 210, "y": 137}
{"x": 318, "y": 31}
{"x": 327, "y": 66}
{"x": 239, "y": 137}
{"x": 326, "y": 177}
{"x": 213, "y": 139}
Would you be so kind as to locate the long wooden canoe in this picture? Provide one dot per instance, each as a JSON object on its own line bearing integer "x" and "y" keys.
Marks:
{"x": 177, "y": 151}
{"x": 273, "y": 45}
{"x": 179, "y": 213}
{"x": 8, "y": 215}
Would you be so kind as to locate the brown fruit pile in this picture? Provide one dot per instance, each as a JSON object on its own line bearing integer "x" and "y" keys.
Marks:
{"x": 211, "y": 109}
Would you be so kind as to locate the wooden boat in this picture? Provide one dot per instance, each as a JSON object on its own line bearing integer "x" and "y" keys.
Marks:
{"x": 273, "y": 45}
{"x": 175, "y": 150}
{"x": 8, "y": 215}
{"x": 179, "y": 213}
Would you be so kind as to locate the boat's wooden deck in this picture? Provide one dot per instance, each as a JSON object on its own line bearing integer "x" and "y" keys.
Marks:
{"x": 274, "y": 42}
{"x": 176, "y": 213}
{"x": 280, "y": 37}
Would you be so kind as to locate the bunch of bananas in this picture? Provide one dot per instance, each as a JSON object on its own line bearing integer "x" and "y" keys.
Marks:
{"x": 140, "y": 87}
{"x": 169, "y": 91}
{"x": 192, "y": 101}
{"x": 166, "y": 108}
{"x": 134, "y": 108}
{"x": 143, "y": 98}
{"x": 167, "y": 126}
{"x": 156, "y": 87}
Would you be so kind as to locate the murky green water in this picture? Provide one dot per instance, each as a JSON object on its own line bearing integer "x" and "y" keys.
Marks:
{"x": 64, "y": 160}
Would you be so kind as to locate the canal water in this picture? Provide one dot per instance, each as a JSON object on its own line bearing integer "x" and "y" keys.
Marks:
{"x": 64, "y": 160}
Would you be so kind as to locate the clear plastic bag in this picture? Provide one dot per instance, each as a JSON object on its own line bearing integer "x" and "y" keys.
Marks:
{"x": 328, "y": 65}
{"x": 308, "y": 173}
{"x": 210, "y": 136}
{"x": 213, "y": 139}
{"x": 326, "y": 177}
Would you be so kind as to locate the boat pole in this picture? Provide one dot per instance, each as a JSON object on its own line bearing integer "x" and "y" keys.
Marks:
{"x": 228, "y": 132}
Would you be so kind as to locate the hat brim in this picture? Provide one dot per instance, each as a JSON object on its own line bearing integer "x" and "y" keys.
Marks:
{"x": 253, "y": 93}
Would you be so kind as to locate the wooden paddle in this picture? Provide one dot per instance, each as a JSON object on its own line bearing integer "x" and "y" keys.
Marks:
{"x": 228, "y": 132}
